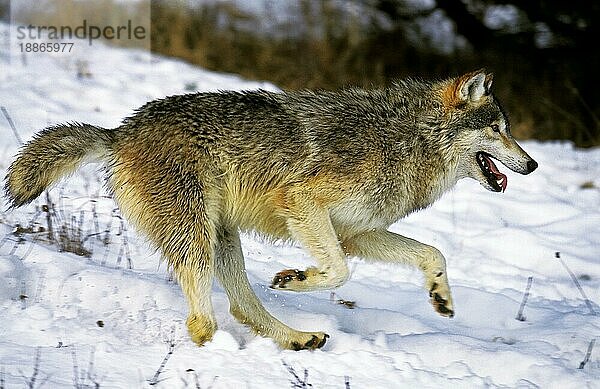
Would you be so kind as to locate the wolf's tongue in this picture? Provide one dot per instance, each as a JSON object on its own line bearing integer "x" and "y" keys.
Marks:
{"x": 496, "y": 172}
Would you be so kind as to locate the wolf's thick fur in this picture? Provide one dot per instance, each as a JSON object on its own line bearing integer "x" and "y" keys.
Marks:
{"x": 330, "y": 170}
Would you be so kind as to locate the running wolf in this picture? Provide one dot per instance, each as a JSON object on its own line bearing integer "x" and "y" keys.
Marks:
{"x": 329, "y": 170}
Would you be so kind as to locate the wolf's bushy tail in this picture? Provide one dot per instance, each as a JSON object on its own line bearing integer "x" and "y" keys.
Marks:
{"x": 53, "y": 153}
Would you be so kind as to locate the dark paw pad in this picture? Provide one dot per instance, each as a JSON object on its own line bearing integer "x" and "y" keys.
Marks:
{"x": 312, "y": 344}
{"x": 323, "y": 341}
{"x": 433, "y": 288}
{"x": 440, "y": 305}
{"x": 285, "y": 276}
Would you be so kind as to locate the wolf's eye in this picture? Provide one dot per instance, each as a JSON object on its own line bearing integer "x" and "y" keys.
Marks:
{"x": 495, "y": 127}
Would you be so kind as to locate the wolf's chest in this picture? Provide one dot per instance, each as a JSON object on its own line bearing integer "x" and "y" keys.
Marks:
{"x": 367, "y": 213}
{"x": 379, "y": 207}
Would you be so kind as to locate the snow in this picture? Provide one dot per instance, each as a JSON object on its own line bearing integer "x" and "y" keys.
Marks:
{"x": 499, "y": 17}
{"x": 95, "y": 320}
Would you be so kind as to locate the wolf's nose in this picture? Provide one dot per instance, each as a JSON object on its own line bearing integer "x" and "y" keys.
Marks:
{"x": 531, "y": 166}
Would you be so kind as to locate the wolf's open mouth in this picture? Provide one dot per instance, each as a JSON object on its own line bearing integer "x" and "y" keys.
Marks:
{"x": 497, "y": 180}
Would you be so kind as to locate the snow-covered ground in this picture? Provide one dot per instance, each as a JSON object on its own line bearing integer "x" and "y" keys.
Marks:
{"x": 69, "y": 320}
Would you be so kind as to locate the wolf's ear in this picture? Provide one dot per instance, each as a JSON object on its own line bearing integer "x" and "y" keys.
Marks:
{"x": 467, "y": 88}
{"x": 488, "y": 83}
{"x": 472, "y": 86}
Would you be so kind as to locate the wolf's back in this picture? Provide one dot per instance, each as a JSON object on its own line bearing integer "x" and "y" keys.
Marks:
{"x": 53, "y": 153}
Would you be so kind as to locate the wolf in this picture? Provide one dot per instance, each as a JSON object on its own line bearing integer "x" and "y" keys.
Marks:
{"x": 330, "y": 170}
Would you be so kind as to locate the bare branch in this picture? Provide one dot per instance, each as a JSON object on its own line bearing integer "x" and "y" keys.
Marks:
{"x": 12, "y": 125}
{"x": 160, "y": 369}
{"x": 588, "y": 354}
{"x": 574, "y": 278}
{"x": 520, "y": 316}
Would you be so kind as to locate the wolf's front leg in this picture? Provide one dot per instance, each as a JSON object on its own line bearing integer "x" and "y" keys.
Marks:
{"x": 385, "y": 246}
{"x": 309, "y": 223}
{"x": 245, "y": 306}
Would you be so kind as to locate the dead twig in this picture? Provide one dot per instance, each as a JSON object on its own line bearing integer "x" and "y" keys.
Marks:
{"x": 49, "y": 208}
{"x": 81, "y": 378}
{"x": 297, "y": 382}
{"x": 346, "y": 303}
{"x": 12, "y": 125}
{"x": 196, "y": 383}
{"x": 33, "y": 381}
{"x": 588, "y": 354}
{"x": 160, "y": 369}
{"x": 520, "y": 316}
{"x": 586, "y": 299}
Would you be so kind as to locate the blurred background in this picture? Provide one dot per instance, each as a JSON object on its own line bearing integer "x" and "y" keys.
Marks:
{"x": 543, "y": 54}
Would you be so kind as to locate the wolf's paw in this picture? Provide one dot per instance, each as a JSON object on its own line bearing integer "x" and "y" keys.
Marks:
{"x": 286, "y": 278}
{"x": 441, "y": 298}
{"x": 296, "y": 280}
{"x": 441, "y": 305}
{"x": 308, "y": 341}
{"x": 308, "y": 280}
{"x": 201, "y": 328}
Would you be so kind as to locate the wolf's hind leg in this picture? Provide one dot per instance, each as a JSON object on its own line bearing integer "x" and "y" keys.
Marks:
{"x": 168, "y": 203}
{"x": 386, "y": 246}
{"x": 245, "y": 306}
{"x": 309, "y": 223}
{"x": 196, "y": 284}
{"x": 189, "y": 249}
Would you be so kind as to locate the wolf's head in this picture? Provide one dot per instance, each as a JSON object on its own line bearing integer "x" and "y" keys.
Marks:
{"x": 481, "y": 131}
